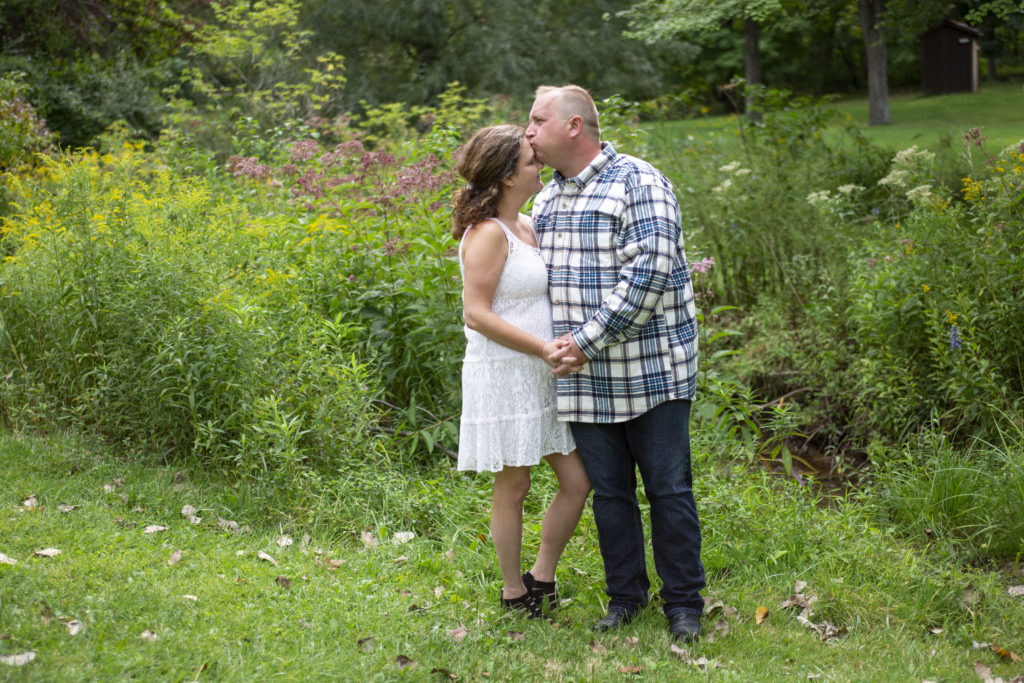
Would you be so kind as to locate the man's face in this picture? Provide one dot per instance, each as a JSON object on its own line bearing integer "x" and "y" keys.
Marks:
{"x": 547, "y": 132}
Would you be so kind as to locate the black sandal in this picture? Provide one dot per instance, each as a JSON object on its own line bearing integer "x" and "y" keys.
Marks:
{"x": 540, "y": 590}
{"x": 524, "y": 603}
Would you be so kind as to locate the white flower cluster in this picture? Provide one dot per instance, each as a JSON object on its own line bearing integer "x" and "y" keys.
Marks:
{"x": 922, "y": 194}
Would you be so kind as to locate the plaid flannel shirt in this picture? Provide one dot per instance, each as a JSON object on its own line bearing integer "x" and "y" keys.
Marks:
{"x": 619, "y": 281}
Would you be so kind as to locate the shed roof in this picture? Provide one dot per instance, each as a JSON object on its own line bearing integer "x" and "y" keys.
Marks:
{"x": 956, "y": 26}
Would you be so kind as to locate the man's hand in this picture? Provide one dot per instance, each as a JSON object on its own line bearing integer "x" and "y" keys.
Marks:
{"x": 564, "y": 356}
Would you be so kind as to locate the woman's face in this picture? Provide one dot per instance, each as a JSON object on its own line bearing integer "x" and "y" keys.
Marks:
{"x": 527, "y": 175}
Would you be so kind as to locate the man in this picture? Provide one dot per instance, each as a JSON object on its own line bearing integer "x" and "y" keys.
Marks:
{"x": 609, "y": 228}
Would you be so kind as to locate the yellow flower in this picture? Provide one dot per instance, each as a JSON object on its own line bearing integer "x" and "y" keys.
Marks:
{"x": 925, "y": 287}
{"x": 951, "y": 317}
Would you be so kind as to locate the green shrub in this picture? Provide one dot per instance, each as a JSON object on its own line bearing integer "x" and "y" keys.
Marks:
{"x": 130, "y": 306}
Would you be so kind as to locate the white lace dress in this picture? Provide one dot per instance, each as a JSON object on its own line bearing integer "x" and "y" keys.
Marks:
{"x": 509, "y": 412}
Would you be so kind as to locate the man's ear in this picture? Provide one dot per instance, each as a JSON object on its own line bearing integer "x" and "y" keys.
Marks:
{"x": 575, "y": 125}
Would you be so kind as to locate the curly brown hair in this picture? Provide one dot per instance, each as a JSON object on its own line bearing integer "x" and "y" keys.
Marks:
{"x": 490, "y": 156}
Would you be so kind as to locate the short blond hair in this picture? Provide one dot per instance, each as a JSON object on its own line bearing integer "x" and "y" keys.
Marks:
{"x": 574, "y": 101}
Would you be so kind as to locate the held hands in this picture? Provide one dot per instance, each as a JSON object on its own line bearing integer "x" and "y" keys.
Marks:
{"x": 563, "y": 355}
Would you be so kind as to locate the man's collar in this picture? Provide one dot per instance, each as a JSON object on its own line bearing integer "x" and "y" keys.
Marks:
{"x": 606, "y": 154}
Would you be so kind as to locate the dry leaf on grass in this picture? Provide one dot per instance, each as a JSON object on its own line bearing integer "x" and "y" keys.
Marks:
{"x": 30, "y": 502}
{"x": 7, "y": 560}
{"x": 369, "y": 540}
{"x": 457, "y": 633}
{"x": 365, "y": 644}
{"x": 516, "y": 635}
{"x": 444, "y": 672}
{"x": 47, "y": 552}
{"x": 174, "y": 558}
{"x": 1016, "y": 591}
{"x": 228, "y": 525}
{"x": 154, "y": 528}
{"x": 631, "y": 670}
{"x": 189, "y": 513}
{"x": 74, "y": 626}
{"x": 401, "y": 537}
{"x": 113, "y": 485}
{"x": 18, "y": 660}
{"x": 404, "y": 662}
{"x": 681, "y": 653}
{"x": 67, "y": 508}
{"x": 148, "y": 635}
{"x": 1005, "y": 654}
{"x": 982, "y": 671}
{"x": 760, "y": 614}
{"x": 193, "y": 598}
{"x": 597, "y": 648}
{"x": 284, "y": 541}
{"x": 283, "y": 582}
{"x": 266, "y": 558}
{"x": 401, "y": 560}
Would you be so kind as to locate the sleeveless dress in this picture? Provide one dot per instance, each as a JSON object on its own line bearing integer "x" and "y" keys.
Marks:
{"x": 509, "y": 410}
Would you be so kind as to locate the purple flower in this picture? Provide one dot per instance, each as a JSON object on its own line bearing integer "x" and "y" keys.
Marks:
{"x": 954, "y": 337}
{"x": 703, "y": 266}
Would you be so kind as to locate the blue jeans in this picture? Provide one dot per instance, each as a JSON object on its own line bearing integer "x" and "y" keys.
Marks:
{"x": 658, "y": 444}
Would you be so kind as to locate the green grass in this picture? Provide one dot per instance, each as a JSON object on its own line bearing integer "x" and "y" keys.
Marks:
{"x": 409, "y": 600}
{"x": 928, "y": 121}
{"x": 933, "y": 121}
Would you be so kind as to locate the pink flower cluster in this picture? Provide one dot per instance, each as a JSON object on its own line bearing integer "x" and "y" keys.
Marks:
{"x": 703, "y": 266}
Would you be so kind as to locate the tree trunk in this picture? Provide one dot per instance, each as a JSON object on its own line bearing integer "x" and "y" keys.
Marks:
{"x": 871, "y": 12}
{"x": 751, "y": 62}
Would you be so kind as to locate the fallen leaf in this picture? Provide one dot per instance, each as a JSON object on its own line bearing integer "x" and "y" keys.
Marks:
{"x": 148, "y": 635}
{"x": 113, "y": 485}
{"x": 334, "y": 564}
{"x": 403, "y": 537}
{"x": 457, "y": 633}
{"x": 18, "y": 660}
{"x": 1016, "y": 591}
{"x": 193, "y": 598}
{"x": 710, "y": 605}
{"x": 174, "y": 558}
{"x": 266, "y": 558}
{"x": 597, "y": 648}
{"x": 516, "y": 635}
{"x": 187, "y": 511}
{"x": 7, "y": 560}
{"x": 401, "y": 560}
{"x": 443, "y": 672}
{"x": 631, "y": 641}
{"x": 722, "y": 627}
{"x": 74, "y": 626}
{"x": 154, "y": 528}
{"x": 369, "y": 540}
{"x": 798, "y": 600}
{"x": 405, "y": 593}
{"x": 365, "y": 644}
{"x": 799, "y": 586}
{"x": 239, "y": 553}
{"x": 179, "y": 480}
{"x": 67, "y": 508}
{"x": 283, "y": 582}
{"x": 760, "y": 614}
{"x": 682, "y": 653}
{"x": 47, "y": 552}
{"x": 629, "y": 669}
{"x": 935, "y": 631}
{"x": 450, "y": 555}
{"x": 1005, "y": 654}
{"x": 404, "y": 662}
{"x": 228, "y": 524}
{"x": 284, "y": 541}
{"x": 414, "y": 608}
{"x": 46, "y": 614}
{"x": 30, "y": 502}
{"x": 983, "y": 672}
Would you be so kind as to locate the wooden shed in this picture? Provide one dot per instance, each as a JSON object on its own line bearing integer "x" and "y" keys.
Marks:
{"x": 949, "y": 58}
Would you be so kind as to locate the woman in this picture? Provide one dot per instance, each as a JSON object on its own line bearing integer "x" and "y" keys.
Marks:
{"x": 509, "y": 419}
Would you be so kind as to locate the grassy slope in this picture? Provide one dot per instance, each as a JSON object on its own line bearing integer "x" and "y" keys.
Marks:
{"x": 760, "y": 537}
{"x": 931, "y": 122}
